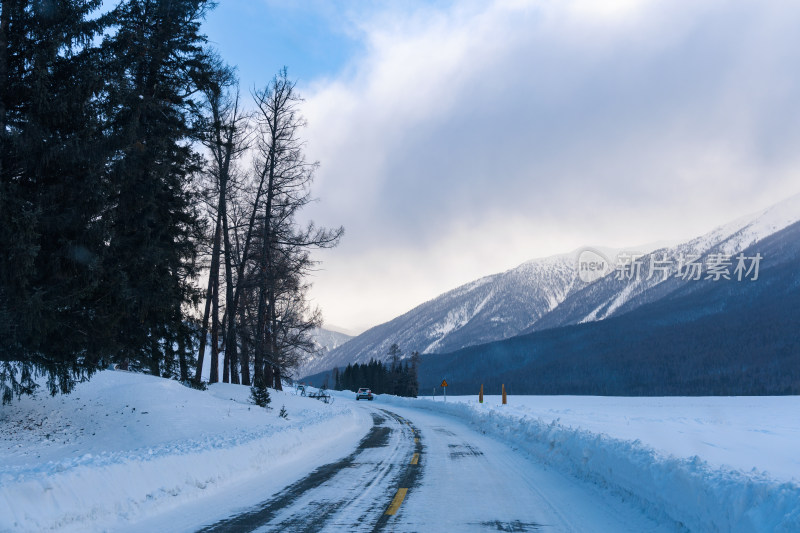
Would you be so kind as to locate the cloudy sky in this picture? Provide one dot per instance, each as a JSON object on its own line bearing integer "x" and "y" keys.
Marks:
{"x": 459, "y": 139}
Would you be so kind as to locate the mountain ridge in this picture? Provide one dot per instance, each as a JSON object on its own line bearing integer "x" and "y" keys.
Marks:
{"x": 723, "y": 337}
{"x": 545, "y": 293}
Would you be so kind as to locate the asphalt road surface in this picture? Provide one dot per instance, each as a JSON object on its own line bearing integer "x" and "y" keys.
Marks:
{"x": 420, "y": 471}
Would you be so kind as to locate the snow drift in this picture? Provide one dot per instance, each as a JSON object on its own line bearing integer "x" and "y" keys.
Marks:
{"x": 688, "y": 491}
{"x": 126, "y": 446}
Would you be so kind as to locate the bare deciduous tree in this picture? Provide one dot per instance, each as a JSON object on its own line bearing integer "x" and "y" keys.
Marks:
{"x": 282, "y": 318}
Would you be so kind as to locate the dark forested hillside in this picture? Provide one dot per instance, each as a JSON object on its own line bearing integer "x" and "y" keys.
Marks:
{"x": 705, "y": 338}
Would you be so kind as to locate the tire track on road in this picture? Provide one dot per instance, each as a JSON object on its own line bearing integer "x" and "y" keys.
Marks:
{"x": 408, "y": 481}
{"x": 317, "y": 511}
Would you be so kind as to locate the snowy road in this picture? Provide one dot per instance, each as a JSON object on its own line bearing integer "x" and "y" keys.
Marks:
{"x": 351, "y": 493}
{"x": 422, "y": 471}
{"x": 132, "y": 453}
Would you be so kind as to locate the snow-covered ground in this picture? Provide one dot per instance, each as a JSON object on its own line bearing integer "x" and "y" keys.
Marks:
{"x": 712, "y": 464}
{"x": 745, "y": 433}
{"x": 126, "y": 446}
{"x": 130, "y": 452}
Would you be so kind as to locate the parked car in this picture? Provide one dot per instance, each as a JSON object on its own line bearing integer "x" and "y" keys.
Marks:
{"x": 364, "y": 394}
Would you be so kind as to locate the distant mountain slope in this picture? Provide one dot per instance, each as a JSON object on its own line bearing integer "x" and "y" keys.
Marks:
{"x": 702, "y": 338}
{"x": 494, "y": 307}
{"x": 543, "y": 294}
{"x": 326, "y": 340}
{"x": 610, "y": 296}
{"x": 329, "y": 340}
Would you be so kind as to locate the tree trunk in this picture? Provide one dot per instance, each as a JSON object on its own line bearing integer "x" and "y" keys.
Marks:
{"x": 225, "y": 362}
{"x": 273, "y": 341}
{"x": 198, "y": 377}
{"x": 263, "y": 369}
{"x": 221, "y": 345}
{"x": 230, "y": 336}
{"x": 226, "y": 375}
{"x": 184, "y": 367}
{"x": 245, "y": 355}
{"x": 233, "y": 361}
{"x": 213, "y": 376}
{"x": 267, "y": 374}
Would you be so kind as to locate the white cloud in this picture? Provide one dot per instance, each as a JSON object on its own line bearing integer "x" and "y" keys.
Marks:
{"x": 469, "y": 138}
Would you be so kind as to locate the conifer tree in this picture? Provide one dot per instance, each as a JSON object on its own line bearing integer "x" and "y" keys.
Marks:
{"x": 156, "y": 62}
{"x": 259, "y": 395}
{"x": 53, "y": 317}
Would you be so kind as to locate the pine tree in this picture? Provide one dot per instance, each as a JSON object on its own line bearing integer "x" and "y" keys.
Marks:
{"x": 347, "y": 378}
{"x": 156, "y": 61}
{"x": 259, "y": 395}
{"x": 414, "y": 378}
{"x": 395, "y": 369}
{"x": 53, "y": 316}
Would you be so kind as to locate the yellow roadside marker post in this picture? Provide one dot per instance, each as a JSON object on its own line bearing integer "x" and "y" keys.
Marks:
{"x": 480, "y": 396}
{"x": 505, "y": 401}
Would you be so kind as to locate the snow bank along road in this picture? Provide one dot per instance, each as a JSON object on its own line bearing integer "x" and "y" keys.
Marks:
{"x": 132, "y": 453}
{"x": 422, "y": 471}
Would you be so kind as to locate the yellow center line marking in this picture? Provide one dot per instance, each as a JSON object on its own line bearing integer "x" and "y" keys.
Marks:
{"x": 414, "y": 459}
{"x": 398, "y": 499}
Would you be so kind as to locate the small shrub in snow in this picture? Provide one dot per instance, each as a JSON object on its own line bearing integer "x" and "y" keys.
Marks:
{"x": 284, "y": 413}
{"x": 192, "y": 384}
{"x": 259, "y": 395}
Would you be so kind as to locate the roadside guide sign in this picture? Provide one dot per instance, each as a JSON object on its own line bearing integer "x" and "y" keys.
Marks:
{"x": 444, "y": 388}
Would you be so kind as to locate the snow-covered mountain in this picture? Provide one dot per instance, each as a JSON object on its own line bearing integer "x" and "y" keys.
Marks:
{"x": 490, "y": 308}
{"x": 328, "y": 339}
{"x": 706, "y": 337}
{"x": 609, "y": 296}
{"x": 547, "y": 293}
{"x": 325, "y": 340}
